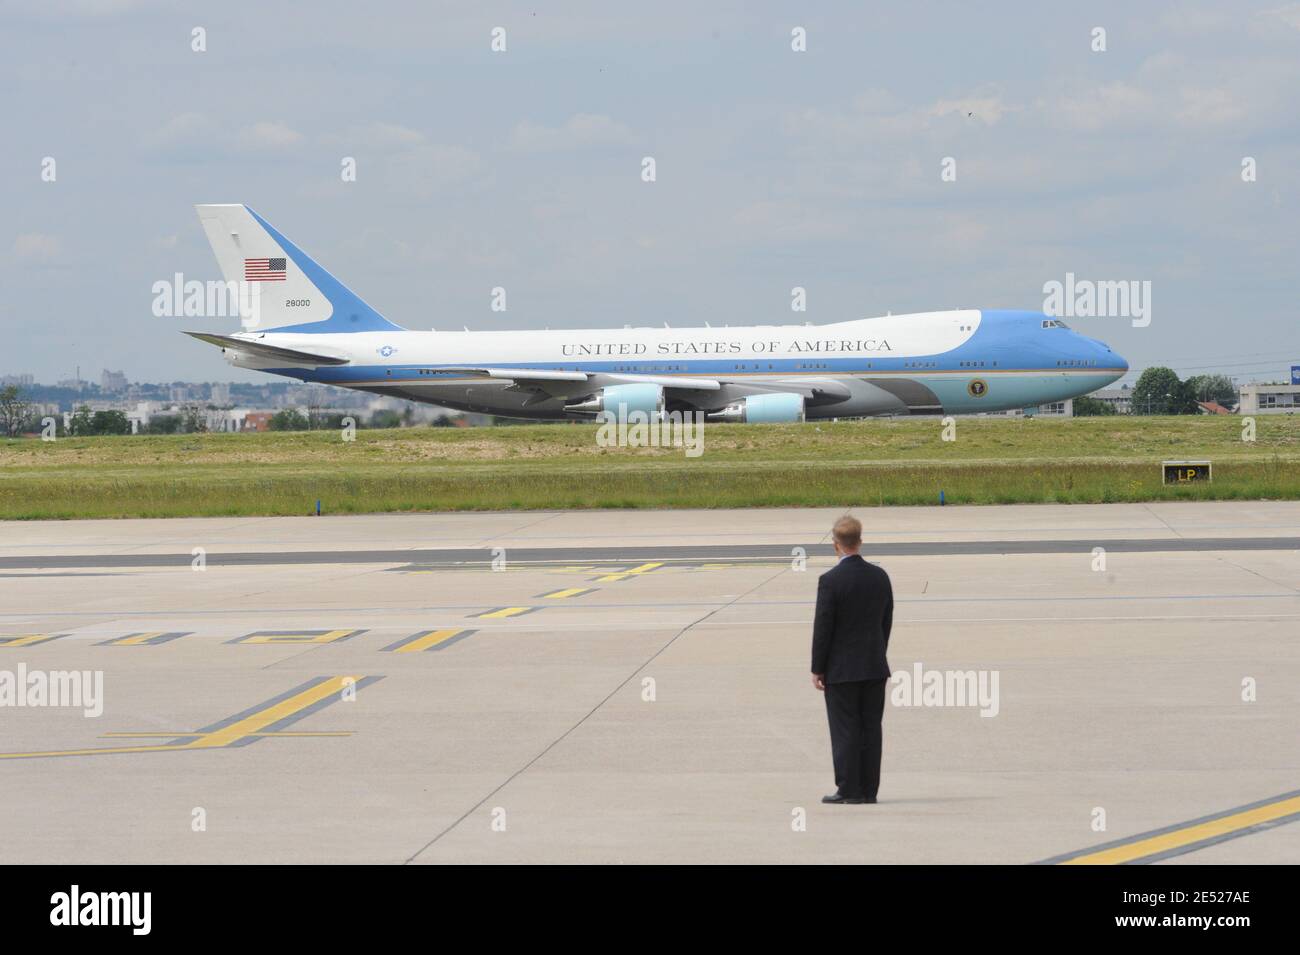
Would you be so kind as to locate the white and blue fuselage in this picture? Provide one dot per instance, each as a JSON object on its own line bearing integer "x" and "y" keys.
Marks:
{"x": 953, "y": 362}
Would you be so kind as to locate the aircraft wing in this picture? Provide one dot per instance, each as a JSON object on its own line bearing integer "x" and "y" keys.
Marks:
{"x": 542, "y": 376}
{"x": 548, "y": 383}
{"x": 514, "y": 374}
{"x": 271, "y": 352}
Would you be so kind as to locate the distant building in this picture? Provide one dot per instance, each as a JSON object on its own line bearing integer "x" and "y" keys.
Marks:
{"x": 258, "y": 420}
{"x": 223, "y": 420}
{"x": 112, "y": 382}
{"x": 1121, "y": 399}
{"x": 219, "y": 394}
{"x": 1269, "y": 399}
{"x": 22, "y": 381}
{"x": 1053, "y": 409}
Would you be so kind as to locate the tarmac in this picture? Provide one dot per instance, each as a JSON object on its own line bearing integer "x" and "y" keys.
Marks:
{"x": 632, "y": 686}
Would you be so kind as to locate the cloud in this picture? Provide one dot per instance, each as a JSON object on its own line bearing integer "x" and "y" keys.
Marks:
{"x": 375, "y": 137}
{"x": 54, "y": 10}
{"x": 986, "y": 109}
{"x": 1169, "y": 93}
{"x": 875, "y": 116}
{"x": 1288, "y": 15}
{"x": 786, "y": 220}
{"x": 399, "y": 159}
{"x": 194, "y": 135}
{"x": 1209, "y": 107}
{"x": 391, "y": 135}
{"x": 268, "y": 136}
{"x": 1111, "y": 104}
{"x": 37, "y": 247}
{"x": 580, "y": 131}
{"x": 428, "y": 169}
{"x": 182, "y": 132}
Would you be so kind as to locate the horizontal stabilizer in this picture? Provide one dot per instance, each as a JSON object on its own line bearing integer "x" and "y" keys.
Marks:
{"x": 270, "y": 352}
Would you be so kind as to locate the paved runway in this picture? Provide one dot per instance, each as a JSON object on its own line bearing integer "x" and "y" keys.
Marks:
{"x": 632, "y": 687}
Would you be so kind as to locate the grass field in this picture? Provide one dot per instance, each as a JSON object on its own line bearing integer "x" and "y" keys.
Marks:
{"x": 859, "y": 463}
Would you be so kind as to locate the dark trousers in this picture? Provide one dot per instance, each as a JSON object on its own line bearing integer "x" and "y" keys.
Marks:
{"x": 854, "y": 711}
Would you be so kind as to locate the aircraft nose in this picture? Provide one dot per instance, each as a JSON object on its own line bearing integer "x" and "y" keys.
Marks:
{"x": 1119, "y": 363}
{"x": 1112, "y": 358}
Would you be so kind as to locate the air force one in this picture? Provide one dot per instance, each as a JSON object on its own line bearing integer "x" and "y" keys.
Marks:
{"x": 314, "y": 328}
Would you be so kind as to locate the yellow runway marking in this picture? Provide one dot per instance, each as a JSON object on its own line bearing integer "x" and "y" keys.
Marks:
{"x": 151, "y": 638}
{"x": 97, "y": 751}
{"x": 264, "y": 717}
{"x": 570, "y": 592}
{"x": 634, "y": 572}
{"x": 1190, "y": 836}
{"x": 428, "y": 640}
{"x": 29, "y": 639}
{"x": 500, "y": 612}
{"x": 173, "y": 736}
{"x": 301, "y": 636}
{"x": 250, "y": 725}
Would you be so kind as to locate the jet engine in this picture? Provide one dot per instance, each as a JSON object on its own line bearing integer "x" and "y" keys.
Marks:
{"x": 769, "y": 408}
{"x": 622, "y": 400}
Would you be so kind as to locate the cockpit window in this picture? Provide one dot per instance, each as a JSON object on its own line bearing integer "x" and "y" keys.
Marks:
{"x": 1054, "y": 323}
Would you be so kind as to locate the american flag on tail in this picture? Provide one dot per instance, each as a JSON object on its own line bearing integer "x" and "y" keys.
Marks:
{"x": 264, "y": 270}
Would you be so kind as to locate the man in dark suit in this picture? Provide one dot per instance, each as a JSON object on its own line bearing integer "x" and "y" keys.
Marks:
{"x": 855, "y": 610}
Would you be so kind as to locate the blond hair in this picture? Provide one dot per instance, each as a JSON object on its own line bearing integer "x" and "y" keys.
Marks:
{"x": 848, "y": 533}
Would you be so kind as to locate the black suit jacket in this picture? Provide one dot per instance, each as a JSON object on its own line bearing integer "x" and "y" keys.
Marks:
{"x": 855, "y": 610}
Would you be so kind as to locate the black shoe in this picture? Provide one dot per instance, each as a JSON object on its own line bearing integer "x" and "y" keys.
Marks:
{"x": 870, "y": 800}
{"x": 835, "y": 799}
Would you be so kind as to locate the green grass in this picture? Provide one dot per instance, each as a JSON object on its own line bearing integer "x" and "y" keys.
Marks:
{"x": 862, "y": 463}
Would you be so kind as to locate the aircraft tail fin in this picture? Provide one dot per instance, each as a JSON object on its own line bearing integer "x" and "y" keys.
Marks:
{"x": 293, "y": 292}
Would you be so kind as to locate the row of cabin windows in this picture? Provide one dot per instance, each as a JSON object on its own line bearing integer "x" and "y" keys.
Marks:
{"x": 1075, "y": 363}
{"x": 803, "y": 366}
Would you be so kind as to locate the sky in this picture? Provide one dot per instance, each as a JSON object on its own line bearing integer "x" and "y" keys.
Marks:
{"x": 775, "y": 168}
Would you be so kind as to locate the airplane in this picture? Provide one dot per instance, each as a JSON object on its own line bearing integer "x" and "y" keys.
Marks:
{"x": 312, "y": 327}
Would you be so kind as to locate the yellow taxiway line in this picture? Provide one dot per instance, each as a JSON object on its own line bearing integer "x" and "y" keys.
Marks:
{"x": 1192, "y": 835}
{"x": 427, "y": 640}
{"x": 501, "y": 612}
{"x": 251, "y": 726}
{"x": 634, "y": 572}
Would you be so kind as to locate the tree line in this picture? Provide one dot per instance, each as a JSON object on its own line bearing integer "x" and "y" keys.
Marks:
{"x": 1159, "y": 390}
